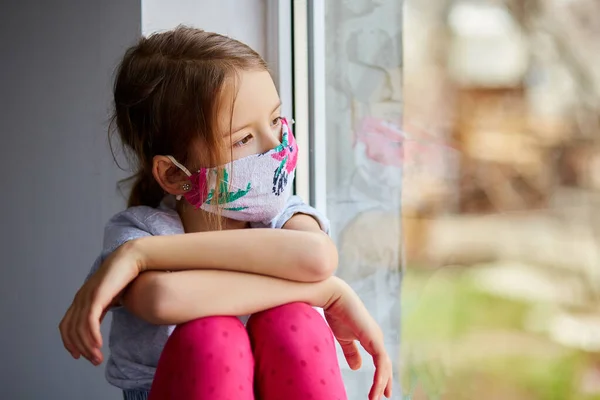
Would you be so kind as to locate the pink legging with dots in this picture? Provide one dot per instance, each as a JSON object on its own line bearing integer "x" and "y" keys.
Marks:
{"x": 284, "y": 353}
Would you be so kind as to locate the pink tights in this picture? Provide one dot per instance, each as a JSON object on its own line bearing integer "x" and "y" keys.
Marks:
{"x": 285, "y": 353}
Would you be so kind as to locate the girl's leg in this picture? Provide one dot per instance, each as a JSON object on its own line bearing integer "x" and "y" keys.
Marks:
{"x": 209, "y": 358}
{"x": 295, "y": 355}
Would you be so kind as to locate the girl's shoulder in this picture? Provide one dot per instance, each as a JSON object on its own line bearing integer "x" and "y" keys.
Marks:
{"x": 295, "y": 205}
{"x": 156, "y": 221}
{"x": 140, "y": 221}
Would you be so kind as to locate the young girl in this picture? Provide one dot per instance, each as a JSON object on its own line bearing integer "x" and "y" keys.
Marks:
{"x": 201, "y": 116}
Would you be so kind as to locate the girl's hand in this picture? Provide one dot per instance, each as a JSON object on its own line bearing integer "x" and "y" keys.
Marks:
{"x": 80, "y": 327}
{"x": 350, "y": 321}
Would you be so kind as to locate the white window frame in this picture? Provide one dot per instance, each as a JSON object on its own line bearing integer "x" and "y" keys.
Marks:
{"x": 279, "y": 50}
{"x": 296, "y": 55}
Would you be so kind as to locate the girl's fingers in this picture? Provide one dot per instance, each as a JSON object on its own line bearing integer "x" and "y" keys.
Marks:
{"x": 378, "y": 383}
{"x": 83, "y": 334}
{"x": 94, "y": 318}
{"x": 388, "y": 388}
{"x": 74, "y": 334}
{"x": 93, "y": 325}
{"x": 352, "y": 354}
{"x": 65, "y": 328}
{"x": 80, "y": 327}
{"x": 382, "y": 381}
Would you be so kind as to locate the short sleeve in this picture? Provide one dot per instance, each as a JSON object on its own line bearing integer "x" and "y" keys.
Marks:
{"x": 295, "y": 205}
{"x": 122, "y": 228}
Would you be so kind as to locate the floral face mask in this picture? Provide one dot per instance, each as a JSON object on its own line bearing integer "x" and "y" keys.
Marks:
{"x": 253, "y": 189}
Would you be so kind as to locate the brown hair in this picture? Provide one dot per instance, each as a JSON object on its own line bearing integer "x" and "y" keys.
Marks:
{"x": 167, "y": 97}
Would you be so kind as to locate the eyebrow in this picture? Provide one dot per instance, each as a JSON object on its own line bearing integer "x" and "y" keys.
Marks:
{"x": 247, "y": 125}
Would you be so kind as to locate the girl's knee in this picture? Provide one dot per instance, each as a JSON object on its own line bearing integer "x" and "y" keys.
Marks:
{"x": 206, "y": 358}
{"x": 296, "y": 327}
{"x": 293, "y": 344}
{"x": 210, "y": 331}
{"x": 287, "y": 313}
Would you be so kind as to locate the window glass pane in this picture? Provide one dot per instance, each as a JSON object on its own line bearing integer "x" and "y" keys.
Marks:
{"x": 364, "y": 160}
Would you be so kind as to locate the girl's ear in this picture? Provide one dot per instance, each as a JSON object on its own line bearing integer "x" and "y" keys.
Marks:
{"x": 172, "y": 179}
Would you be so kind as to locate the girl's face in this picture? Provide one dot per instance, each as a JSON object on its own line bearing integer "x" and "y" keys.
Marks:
{"x": 255, "y": 121}
{"x": 250, "y": 124}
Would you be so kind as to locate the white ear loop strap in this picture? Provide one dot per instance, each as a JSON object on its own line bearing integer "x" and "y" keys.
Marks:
{"x": 181, "y": 167}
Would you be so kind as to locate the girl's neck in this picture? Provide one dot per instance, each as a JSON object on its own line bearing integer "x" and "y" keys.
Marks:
{"x": 198, "y": 220}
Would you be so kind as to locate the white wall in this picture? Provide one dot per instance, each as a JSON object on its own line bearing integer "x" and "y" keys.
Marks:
{"x": 58, "y": 180}
{"x": 244, "y": 20}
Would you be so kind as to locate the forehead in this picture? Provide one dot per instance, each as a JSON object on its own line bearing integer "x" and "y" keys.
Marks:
{"x": 254, "y": 96}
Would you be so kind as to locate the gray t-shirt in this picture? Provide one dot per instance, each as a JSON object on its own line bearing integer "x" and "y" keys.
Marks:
{"x": 135, "y": 345}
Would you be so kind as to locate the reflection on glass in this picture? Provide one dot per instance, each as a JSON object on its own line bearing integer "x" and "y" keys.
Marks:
{"x": 364, "y": 160}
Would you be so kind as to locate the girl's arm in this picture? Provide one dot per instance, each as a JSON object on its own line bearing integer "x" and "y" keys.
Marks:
{"x": 190, "y": 293}
{"x": 298, "y": 255}
{"x": 162, "y": 298}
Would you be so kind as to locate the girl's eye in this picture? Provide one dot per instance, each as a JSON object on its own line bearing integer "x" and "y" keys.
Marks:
{"x": 276, "y": 121}
{"x": 243, "y": 142}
